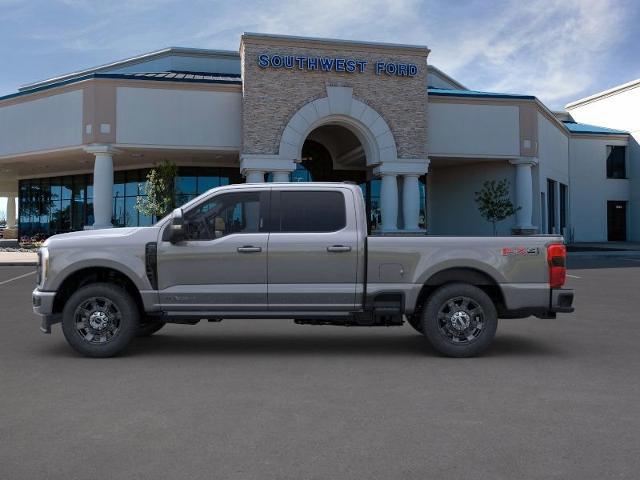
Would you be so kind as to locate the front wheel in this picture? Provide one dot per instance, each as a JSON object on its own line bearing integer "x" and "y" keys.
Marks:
{"x": 459, "y": 320}
{"x": 100, "y": 320}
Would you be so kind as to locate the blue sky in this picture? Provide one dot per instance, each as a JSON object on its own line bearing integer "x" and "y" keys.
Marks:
{"x": 557, "y": 50}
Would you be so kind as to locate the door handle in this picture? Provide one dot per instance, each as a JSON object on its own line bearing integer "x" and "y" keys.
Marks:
{"x": 339, "y": 248}
{"x": 249, "y": 249}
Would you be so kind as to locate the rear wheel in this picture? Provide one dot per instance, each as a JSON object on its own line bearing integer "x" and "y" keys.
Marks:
{"x": 459, "y": 320}
{"x": 99, "y": 320}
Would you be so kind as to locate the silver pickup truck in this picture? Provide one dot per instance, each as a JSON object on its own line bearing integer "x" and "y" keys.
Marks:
{"x": 291, "y": 250}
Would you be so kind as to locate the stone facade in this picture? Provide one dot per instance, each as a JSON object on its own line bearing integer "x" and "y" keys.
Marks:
{"x": 272, "y": 96}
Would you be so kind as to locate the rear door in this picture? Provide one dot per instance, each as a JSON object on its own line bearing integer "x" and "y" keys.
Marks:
{"x": 313, "y": 250}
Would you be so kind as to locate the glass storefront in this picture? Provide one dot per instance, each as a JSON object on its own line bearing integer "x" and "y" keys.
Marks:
{"x": 48, "y": 206}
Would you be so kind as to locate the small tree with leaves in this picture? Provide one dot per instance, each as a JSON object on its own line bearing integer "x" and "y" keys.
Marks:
{"x": 494, "y": 203}
{"x": 159, "y": 191}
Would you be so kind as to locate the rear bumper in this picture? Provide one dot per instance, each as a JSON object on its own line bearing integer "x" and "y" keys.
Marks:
{"x": 561, "y": 300}
{"x": 43, "y": 305}
{"x": 541, "y": 303}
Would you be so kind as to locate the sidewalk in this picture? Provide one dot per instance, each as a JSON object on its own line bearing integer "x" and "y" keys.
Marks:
{"x": 23, "y": 259}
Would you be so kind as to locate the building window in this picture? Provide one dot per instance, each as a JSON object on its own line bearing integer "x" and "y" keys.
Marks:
{"x": 563, "y": 207}
{"x": 61, "y": 204}
{"x": 616, "y": 161}
{"x": 551, "y": 206}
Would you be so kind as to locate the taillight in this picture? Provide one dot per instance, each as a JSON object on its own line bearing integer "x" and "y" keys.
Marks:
{"x": 557, "y": 257}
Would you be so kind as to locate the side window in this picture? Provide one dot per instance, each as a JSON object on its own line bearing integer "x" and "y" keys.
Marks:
{"x": 222, "y": 215}
{"x": 312, "y": 211}
{"x": 616, "y": 161}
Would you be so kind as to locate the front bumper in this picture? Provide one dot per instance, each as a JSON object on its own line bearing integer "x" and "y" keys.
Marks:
{"x": 43, "y": 305}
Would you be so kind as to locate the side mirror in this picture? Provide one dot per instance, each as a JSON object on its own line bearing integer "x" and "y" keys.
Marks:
{"x": 176, "y": 228}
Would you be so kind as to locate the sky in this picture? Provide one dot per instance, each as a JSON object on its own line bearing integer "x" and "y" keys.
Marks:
{"x": 558, "y": 50}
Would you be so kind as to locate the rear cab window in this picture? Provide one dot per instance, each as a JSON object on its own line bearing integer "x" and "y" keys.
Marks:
{"x": 308, "y": 211}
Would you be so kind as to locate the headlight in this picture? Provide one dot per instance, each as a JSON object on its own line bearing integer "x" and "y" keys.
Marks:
{"x": 43, "y": 265}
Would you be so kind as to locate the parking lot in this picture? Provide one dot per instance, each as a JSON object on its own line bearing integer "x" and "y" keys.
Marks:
{"x": 273, "y": 400}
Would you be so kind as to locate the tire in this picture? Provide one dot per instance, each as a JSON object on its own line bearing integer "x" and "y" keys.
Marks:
{"x": 459, "y": 320}
{"x": 100, "y": 320}
{"x": 416, "y": 322}
{"x": 148, "y": 328}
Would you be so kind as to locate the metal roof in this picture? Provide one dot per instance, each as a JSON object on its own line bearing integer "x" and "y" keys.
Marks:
{"x": 444, "y": 92}
{"x": 575, "y": 127}
{"x": 186, "y": 77}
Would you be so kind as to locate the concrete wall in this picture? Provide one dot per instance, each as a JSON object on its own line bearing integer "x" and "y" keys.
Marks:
{"x": 459, "y": 129}
{"x": 620, "y": 110}
{"x": 190, "y": 118}
{"x": 44, "y": 123}
{"x": 590, "y": 189}
{"x": 453, "y": 210}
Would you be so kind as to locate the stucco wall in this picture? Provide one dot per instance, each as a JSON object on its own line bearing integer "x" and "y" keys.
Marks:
{"x": 271, "y": 96}
{"x": 165, "y": 117}
{"x": 463, "y": 129}
{"x": 621, "y": 111}
{"x": 45, "y": 123}
{"x": 553, "y": 157}
{"x": 453, "y": 208}
{"x": 590, "y": 189}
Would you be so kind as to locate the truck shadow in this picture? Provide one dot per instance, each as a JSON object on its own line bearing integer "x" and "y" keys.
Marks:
{"x": 408, "y": 345}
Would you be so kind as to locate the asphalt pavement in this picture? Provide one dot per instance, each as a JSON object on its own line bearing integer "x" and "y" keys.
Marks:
{"x": 267, "y": 399}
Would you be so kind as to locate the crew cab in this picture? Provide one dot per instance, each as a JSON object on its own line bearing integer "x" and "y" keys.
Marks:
{"x": 298, "y": 251}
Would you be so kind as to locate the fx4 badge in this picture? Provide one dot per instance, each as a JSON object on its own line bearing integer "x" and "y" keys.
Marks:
{"x": 511, "y": 251}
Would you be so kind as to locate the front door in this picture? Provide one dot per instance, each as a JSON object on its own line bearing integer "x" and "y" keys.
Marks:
{"x": 617, "y": 221}
{"x": 313, "y": 251}
{"x": 222, "y": 263}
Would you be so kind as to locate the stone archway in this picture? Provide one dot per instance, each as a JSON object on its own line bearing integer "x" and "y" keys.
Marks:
{"x": 340, "y": 108}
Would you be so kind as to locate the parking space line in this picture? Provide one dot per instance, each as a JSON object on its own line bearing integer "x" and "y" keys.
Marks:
{"x": 17, "y": 278}
{"x": 573, "y": 276}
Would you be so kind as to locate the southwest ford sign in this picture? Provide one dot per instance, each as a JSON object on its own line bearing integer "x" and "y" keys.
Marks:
{"x": 331, "y": 64}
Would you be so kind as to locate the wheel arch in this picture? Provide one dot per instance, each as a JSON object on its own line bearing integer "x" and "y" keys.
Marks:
{"x": 468, "y": 275}
{"x": 95, "y": 274}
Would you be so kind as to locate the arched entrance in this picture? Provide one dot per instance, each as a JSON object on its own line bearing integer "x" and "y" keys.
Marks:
{"x": 340, "y": 138}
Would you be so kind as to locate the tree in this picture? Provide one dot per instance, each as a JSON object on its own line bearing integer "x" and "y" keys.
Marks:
{"x": 159, "y": 191}
{"x": 494, "y": 203}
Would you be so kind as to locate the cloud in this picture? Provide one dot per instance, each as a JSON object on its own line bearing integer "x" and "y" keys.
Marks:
{"x": 555, "y": 49}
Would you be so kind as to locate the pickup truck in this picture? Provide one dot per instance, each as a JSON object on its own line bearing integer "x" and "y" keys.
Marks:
{"x": 291, "y": 250}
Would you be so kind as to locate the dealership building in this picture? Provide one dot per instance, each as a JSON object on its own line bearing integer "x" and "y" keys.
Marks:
{"x": 75, "y": 149}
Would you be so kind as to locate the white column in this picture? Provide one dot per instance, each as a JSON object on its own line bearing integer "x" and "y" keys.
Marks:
{"x": 254, "y": 176}
{"x": 11, "y": 212}
{"x": 280, "y": 176}
{"x": 389, "y": 202}
{"x": 524, "y": 192}
{"x": 410, "y": 201}
{"x": 102, "y": 185}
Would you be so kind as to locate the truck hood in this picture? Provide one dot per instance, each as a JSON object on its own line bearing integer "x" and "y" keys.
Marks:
{"x": 105, "y": 237}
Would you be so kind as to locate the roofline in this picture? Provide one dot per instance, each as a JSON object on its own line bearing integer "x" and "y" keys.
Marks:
{"x": 132, "y": 61}
{"x": 118, "y": 76}
{"x": 604, "y": 93}
{"x": 446, "y": 76}
{"x": 336, "y": 41}
{"x": 540, "y": 107}
{"x": 471, "y": 93}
